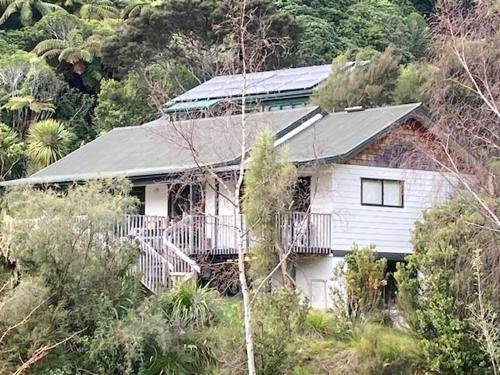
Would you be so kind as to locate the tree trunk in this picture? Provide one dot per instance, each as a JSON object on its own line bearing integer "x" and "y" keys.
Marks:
{"x": 247, "y": 316}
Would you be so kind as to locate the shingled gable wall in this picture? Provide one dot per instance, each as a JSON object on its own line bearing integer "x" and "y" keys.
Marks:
{"x": 402, "y": 147}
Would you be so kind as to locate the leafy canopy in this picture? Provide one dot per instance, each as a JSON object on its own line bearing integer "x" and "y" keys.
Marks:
{"x": 367, "y": 81}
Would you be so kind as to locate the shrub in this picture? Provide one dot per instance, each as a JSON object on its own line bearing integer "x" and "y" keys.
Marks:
{"x": 168, "y": 334}
{"x": 327, "y": 325}
{"x": 364, "y": 278}
{"x": 189, "y": 305}
{"x": 278, "y": 319}
{"x": 377, "y": 349}
{"x": 66, "y": 257}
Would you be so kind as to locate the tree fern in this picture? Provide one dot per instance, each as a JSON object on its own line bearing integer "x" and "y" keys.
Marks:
{"x": 28, "y": 10}
{"x": 99, "y": 10}
{"x": 135, "y": 9}
{"x": 18, "y": 103}
{"x": 75, "y": 49}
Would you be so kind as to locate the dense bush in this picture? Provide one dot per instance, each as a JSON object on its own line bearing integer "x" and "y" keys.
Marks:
{"x": 439, "y": 304}
{"x": 68, "y": 277}
{"x": 279, "y": 319}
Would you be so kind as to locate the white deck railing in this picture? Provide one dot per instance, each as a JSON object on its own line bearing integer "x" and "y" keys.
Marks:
{"x": 194, "y": 234}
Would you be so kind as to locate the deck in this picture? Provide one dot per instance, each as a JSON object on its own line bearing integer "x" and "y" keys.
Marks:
{"x": 303, "y": 233}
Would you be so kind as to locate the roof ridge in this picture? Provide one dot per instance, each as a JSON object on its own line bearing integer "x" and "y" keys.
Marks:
{"x": 267, "y": 71}
{"x": 383, "y": 107}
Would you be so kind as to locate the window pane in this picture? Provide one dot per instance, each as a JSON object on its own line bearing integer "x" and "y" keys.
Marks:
{"x": 372, "y": 191}
{"x": 392, "y": 193}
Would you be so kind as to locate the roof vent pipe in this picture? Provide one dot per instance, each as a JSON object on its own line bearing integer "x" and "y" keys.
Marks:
{"x": 358, "y": 108}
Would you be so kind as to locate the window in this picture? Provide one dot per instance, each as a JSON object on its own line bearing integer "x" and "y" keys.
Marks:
{"x": 139, "y": 192}
{"x": 375, "y": 192}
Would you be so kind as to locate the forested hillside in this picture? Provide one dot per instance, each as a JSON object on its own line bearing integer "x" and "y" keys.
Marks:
{"x": 70, "y": 70}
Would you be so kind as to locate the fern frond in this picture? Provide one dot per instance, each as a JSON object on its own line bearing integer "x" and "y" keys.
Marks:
{"x": 51, "y": 54}
{"x": 50, "y": 44}
{"x": 45, "y": 8}
{"x": 10, "y": 10}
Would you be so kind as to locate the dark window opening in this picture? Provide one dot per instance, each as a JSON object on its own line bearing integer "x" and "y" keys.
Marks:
{"x": 139, "y": 192}
{"x": 302, "y": 194}
{"x": 378, "y": 192}
{"x": 185, "y": 200}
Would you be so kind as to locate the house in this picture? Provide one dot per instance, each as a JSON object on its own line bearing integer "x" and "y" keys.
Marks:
{"x": 362, "y": 180}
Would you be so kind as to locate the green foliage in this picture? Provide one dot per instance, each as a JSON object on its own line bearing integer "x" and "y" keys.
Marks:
{"x": 319, "y": 39}
{"x": 98, "y": 10}
{"x": 69, "y": 41}
{"x": 135, "y": 9}
{"x": 48, "y": 141}
{"x": 72, "y": 274}
{"x": 278, "y": 320}
{"x": 367, "y": 83}
{"x": 24, "y": 39}
{"x": 189, "y": 305}
{"x": 364, "y": 279}
{"x": 27, "y": 10}
{"x": 413, "y": 83}
{"x": 327, "y": 28}
{"x": 81, "y": 277}
{"x": 328, "y": 325}
{"x": 74, "y": 108}
{"x": 12, "y": 154}
{"x": 376, "y": 349}
{"x": 152, "y": 341}
{"x": 381, "y": 24}
{"x": 191, "y": 32}
{"x": 269, "y": 183}
{"x": 122, "y": 103}
{"x": 436, "y": 302}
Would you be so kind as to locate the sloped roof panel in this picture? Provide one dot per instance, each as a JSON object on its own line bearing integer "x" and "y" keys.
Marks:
{"x": 258, "y": 83}
{"x": 339, "y": 135}
{"x": 156, "y": 148}
{"x": 161, "y": 147}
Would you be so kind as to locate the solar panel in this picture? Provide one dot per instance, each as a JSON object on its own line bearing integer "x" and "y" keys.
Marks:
{"x": 258, "y": 83}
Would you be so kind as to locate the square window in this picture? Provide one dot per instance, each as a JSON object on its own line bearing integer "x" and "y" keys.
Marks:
{"x": 378, "y": 192}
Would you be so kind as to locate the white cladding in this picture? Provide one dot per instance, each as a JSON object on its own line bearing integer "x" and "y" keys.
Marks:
{"x": 314, "y": 279}
{"x": 156, "y": 200}
{"x": 337, "y": 190}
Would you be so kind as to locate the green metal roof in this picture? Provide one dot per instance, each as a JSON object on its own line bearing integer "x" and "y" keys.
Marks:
{"x": 154, "y": 149}
{"x": 340, "y": 135}
{"x": 192, "y": 106}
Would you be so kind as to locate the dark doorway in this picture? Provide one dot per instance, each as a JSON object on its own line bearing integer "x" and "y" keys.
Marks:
{"x": 390, "y": 290}
{"x": 139, "y": 192}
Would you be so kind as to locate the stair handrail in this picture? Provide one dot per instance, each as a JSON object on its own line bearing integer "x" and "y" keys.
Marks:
{"x": 180, "y": 254}
{"x": 166, "y": 266}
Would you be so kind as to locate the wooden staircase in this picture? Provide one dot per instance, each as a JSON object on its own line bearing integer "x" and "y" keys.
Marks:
{"x": 162, "y": 264}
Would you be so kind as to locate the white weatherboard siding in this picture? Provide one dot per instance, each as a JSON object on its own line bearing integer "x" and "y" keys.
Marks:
{"x": 337, "y": 190}
{"x": 156, "y": 199}
{"x": 226, "y": 196}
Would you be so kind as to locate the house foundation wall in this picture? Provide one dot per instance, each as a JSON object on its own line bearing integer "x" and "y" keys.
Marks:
{"x": 314, "y": 278}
